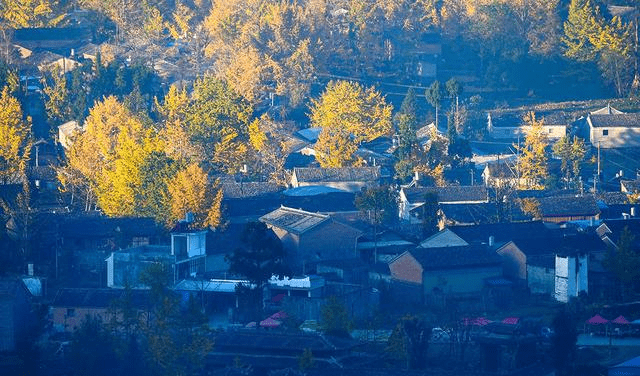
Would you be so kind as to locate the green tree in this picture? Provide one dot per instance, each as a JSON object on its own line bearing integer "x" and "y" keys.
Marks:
{"x": 563, "y": 343}
{"x": 15, "y": 143}
{"x": 571, "y": 152}
{"x": 306, "y": 360}
{"x": 532, "y": 156}
{"x": 459, "y": 151}
{"x": 406, "y": 123}
{"x": 579, "y": 29}
{"x": 335, "y": 319}
{"x": 624, "y": 262}
{"x": 177, "y": 340}
{"x": 430, "y": 214}
{"x": 217, "y": 120}
{"x": 348, "y": 115}
{"x": 379, "y": 205}
{"x": 92, "y": 350}
{"x": 57, "y": 97}
{"x": 260, "y": 257}
{"x": 434, "y": 97}
{"x": 409, "y": 342}
{"x": 589, "y": 37}
{"x": 270, "y": 141}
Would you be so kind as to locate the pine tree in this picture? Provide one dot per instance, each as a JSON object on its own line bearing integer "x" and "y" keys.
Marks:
{"x": 434, "y": 97}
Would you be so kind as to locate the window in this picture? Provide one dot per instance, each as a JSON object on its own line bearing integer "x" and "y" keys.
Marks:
{"x": 605, "y": 132}
{"x": 71, "y": 312}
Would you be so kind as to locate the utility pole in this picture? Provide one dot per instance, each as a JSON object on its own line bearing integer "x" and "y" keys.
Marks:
{"x": 598, "y": 158}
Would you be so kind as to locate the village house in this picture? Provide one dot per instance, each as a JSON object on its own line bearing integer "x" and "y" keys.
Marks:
{"x": 72, "y": 307}
{"x": 568, "y": 208}
{"x": 310, "y": 237}
{"x": 614, "y": 129}
{"x": 501, "y": 174}
{"x": 66, "y": 133}
{"x": 186, "y": 257}
{"x": 459, "y": 270}
{"x": 411, "y": 199}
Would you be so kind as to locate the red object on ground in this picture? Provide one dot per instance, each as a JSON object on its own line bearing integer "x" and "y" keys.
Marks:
{"x": 620, "y": 320}
{"x": 597, "y": 320}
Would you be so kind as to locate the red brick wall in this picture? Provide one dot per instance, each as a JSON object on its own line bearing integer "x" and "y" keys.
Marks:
{"x": 406, "y": 268}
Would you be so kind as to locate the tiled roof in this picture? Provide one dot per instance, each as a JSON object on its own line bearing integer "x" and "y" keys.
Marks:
{"x": 564, "y": 206}
{"x": 450, "y": 194}
{"x": 294, "y": 220}
{"x": 617, "y": 226}
{"x": 615, "y": 120}
{"x": 631, "y": 185}
{"x": 344, "y": 174}
{"x": 455, "y": 257}
{"x": 504, "y": 232}
{"x": 613, "y": 198}
{"x": 232, "y": 188}
{"x": 608, "y": 110}
{"x": 545, "y": 245}
{"x": 98, "y": 298}
{"x": 469, "y": 213}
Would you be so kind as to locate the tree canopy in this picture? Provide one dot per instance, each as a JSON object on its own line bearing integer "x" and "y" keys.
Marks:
{"x": 532, "y": 158}
{"x": 348, "y": 114}
{"x": 16, "y": 139}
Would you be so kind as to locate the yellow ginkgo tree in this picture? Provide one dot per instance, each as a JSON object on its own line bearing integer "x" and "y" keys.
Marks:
{"x": 15, "y": 139}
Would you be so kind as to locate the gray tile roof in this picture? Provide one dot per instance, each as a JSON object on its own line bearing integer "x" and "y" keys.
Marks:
{"x": 564, "y": 206}
{"x": 294, "y": 220}
{"x": 345, "y": 174}
{"x": 615, "y": 120}
{"x": 455, "y": 257}
{"x": 450, "y": 194}
{"x": 242, "y": 189}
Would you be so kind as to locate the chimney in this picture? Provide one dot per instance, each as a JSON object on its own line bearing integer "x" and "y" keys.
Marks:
{"x": 30, "y": 269}
{"x": 633, "y": 211}
{"x": 416, "y": 177}
{"x": 491, "y": 241}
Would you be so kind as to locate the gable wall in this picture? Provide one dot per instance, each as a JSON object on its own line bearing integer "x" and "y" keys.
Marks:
{"x": 618, "y": 137}
{"x": 329, "y": 241}
{"x": 541, "y": 280}
{"x": 514, "y": 262}
{"x": 406, "y": 269}
{"x": 459, "y": 281}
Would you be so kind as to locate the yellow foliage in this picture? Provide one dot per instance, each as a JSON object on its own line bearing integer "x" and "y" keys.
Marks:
{"x": 15, "y": 139}
{"x": 191, "y": 191}
{"x": 348, "y": 115}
